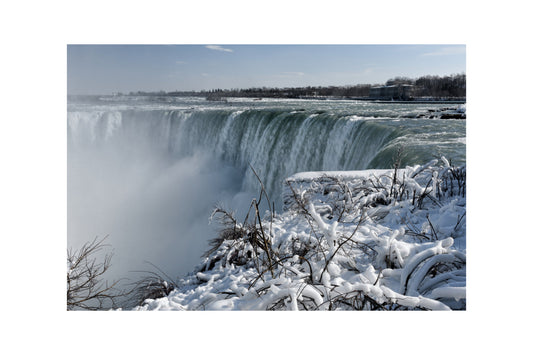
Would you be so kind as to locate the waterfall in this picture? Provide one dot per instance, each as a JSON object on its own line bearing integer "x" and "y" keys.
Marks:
{"x": 276, "y": 143}
{"x": 149, "y": 175}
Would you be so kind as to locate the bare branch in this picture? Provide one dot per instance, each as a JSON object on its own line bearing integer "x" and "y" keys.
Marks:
{"x": 85, "y": 287}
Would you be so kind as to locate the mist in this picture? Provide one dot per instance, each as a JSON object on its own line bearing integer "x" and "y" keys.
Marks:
{"x": 153, "y": 206}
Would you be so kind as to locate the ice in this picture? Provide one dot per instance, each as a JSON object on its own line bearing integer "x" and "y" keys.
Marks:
{"x": 449, "y": 292}
{"x": 334, "y": 270}
{"x": 366, "y": 256}
{"x": 445, "y": 161}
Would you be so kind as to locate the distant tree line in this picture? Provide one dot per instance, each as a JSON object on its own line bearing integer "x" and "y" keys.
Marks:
{"x": 361, "y": 90}
{"x": 434, "y": 86}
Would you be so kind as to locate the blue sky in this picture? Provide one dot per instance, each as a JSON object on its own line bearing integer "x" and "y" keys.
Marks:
{"x": 103, "y": 69}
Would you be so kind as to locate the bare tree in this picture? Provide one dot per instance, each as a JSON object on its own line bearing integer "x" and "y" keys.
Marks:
{"x": 86, "y": 289}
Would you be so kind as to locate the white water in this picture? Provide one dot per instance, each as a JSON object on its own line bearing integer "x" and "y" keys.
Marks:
{"x": 149, "y": 177}
{"x": 151, "y": 207}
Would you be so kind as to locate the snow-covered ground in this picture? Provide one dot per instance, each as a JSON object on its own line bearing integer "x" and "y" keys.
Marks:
{"x": 359, "y": 240}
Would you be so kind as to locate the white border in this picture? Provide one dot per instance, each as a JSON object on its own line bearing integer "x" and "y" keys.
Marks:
{"x": 34, "y": 36}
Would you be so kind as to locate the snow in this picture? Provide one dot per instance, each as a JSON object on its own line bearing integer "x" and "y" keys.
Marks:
{"x": 449, "y": 292}
{"x": 344, "y": 241}
{"x": 350, "y": 174}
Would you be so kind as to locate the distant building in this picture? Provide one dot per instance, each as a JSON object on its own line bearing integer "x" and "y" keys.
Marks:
{"x": 391, "y": 92}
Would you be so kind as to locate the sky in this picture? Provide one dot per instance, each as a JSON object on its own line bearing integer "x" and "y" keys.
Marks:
{"x": 106, "y": 69}
{"x": 35, "y": 41}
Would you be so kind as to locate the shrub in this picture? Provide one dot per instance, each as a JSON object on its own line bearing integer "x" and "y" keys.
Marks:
{"x": 86, "y": 288}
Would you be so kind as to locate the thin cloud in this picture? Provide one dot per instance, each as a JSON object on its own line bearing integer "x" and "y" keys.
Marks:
{"x": 291, "y": 74}
{"x": 367, "y": 71}
{"x": 219, "y": 48}
{"x": 180, "y": 62}
{"x": 446, "y": 51}
{"x": 297, "y": 73}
